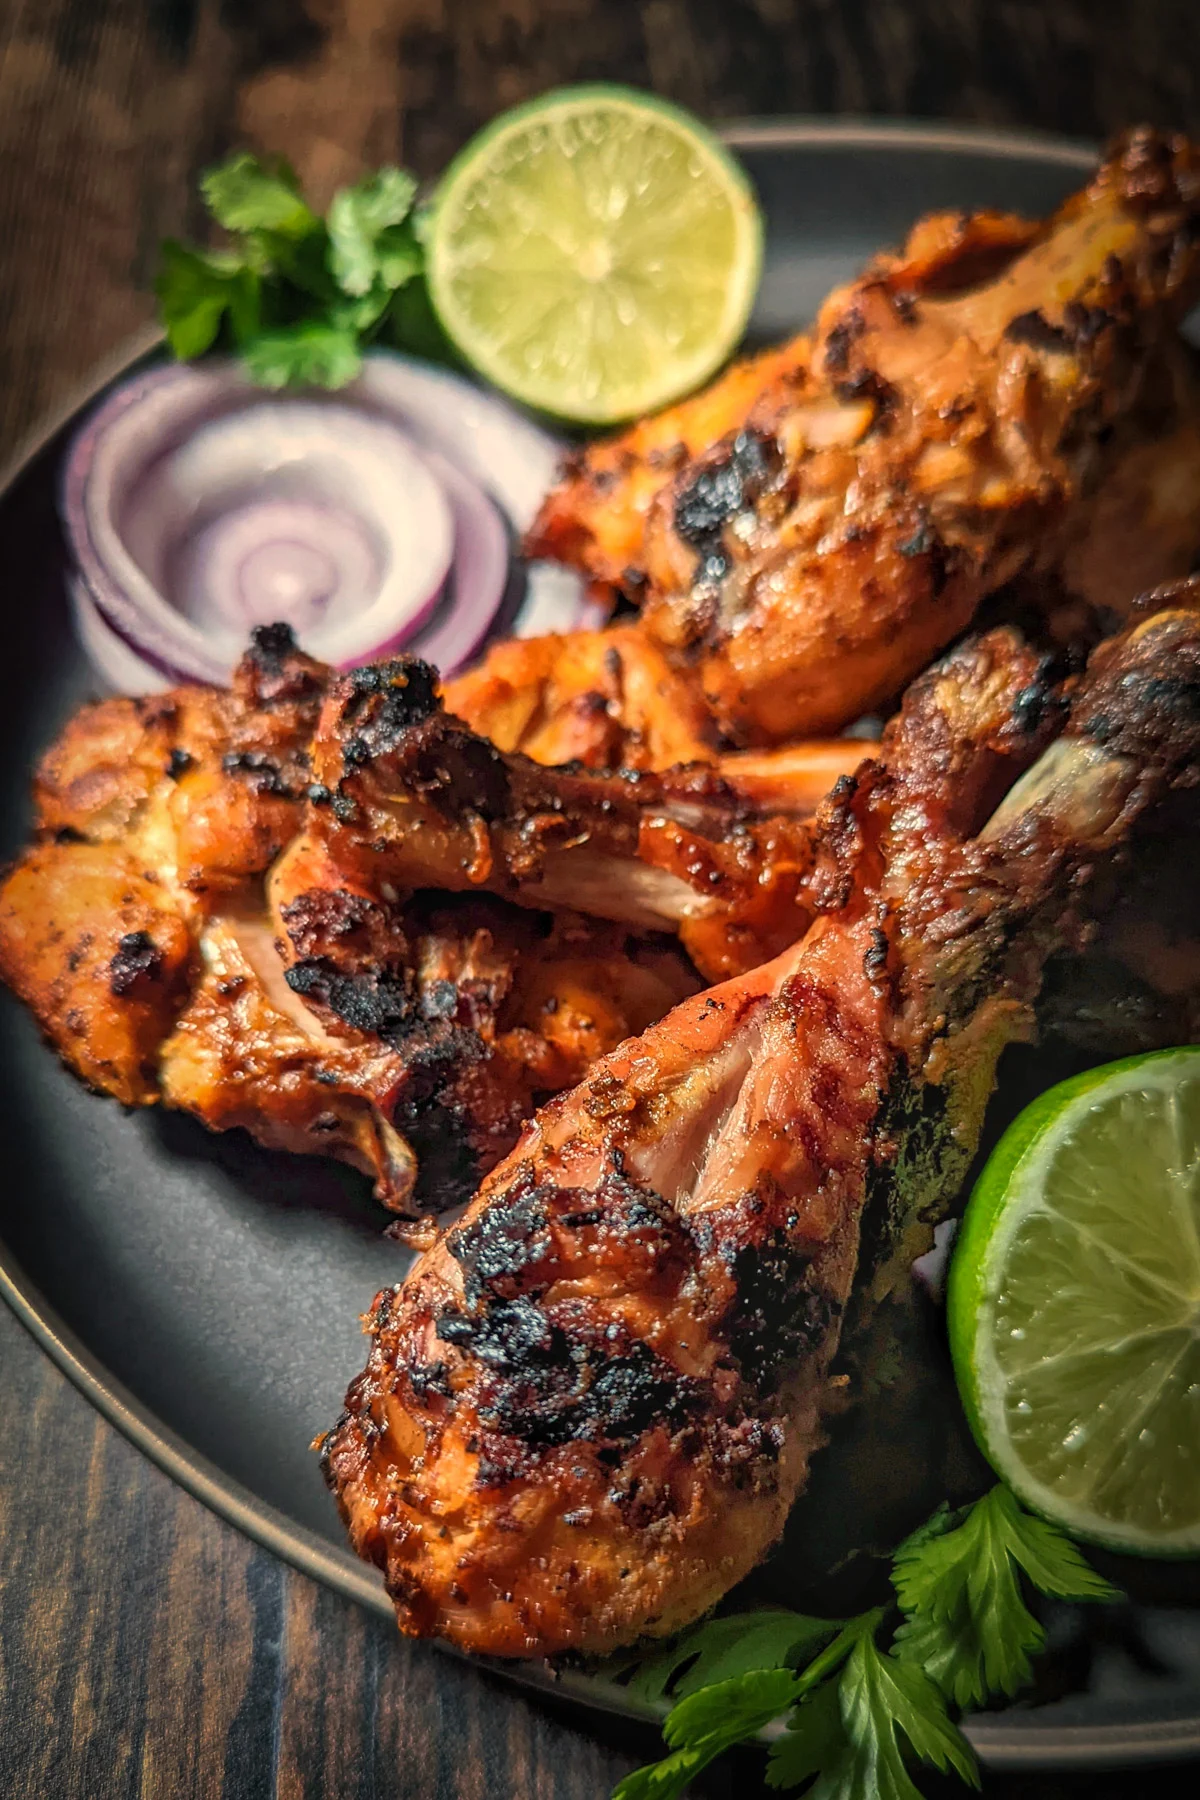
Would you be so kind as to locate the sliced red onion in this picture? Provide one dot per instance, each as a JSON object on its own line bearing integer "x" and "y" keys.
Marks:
{"x": 376, "y": 519}
{"x": 477, "y": 579}
{"x": 121, "y": 669}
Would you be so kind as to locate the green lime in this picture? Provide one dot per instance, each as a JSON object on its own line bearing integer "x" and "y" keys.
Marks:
{"x": 1074, "y": 1305}
{"x": 594, "y": 253}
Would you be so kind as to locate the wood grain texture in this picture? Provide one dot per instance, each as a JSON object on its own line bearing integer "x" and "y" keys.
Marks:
{"x": 108, "y": 108}
{"x": 150, "y": 1652}
{"x": 147, "y": 1651}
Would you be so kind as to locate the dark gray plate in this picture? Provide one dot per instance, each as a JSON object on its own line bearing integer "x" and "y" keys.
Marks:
{"x": 205, "y": 1294}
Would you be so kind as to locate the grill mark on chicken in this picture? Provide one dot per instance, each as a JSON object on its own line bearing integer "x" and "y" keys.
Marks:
{"x": 426, "y": 803}
{"x": 763, "y": 1128}
{"x": 137, "y": 963}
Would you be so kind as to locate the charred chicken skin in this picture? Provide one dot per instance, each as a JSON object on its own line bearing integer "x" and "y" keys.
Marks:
{"x": 595, "y": 518}
{"x": 587, "y": 1411}
{"x": 406, "y": 797}
{"x": 812, "y": 564}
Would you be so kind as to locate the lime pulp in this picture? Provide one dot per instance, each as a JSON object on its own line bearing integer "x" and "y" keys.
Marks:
{"x": 1074, "y": 1305}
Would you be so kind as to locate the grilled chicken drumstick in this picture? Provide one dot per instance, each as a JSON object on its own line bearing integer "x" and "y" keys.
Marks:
{"x": 587, "y": 1411}
{"x": 997, "y": 397}
{"x": 406, "y": 797}
{"x": 812, "y": 564}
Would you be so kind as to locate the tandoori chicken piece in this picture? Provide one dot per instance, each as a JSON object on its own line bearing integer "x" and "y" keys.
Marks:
{"x": 595, "y": 518}
{"x": 605, "y": 699}
{"x": 587, "y": 1411}
{"x": 610, "y": 700}
{"x": 808, "y": 566}
{"x": 406, "y": 797}
{"x": 149, "y": 813}
{"x": 139, "y": 931}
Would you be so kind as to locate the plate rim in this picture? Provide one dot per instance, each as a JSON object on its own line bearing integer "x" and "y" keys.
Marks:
{"x": 994, "y": 1737}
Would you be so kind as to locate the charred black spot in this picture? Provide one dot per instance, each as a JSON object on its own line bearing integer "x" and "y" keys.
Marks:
{"x": 271, "y": 645}
{"x": 778, "y": 1317}
{"x": 178, "y": 763}
{"x": 429, "y": 1378}
{"x": 1144, "y": 709}
{"x": 505, "y": 1337}
{"x": 867, "y": 384}
{"x": 554, "y": 1390}
{"x": 1029, "y": 708}
{"x": 319, "y": 794}
{"x": 137, "y": 963}
{"x": 370, "y": 1000}
{"x": 875, "y": 958}
{"x": 838, "y": 342}
{"x": 1034, "y": 328}
{"x": 498, "y": 1248}
{"x": 921, "y": 542}
{"x": 258, "y": 770}
{"x": 719, "y": 492}
{"x": 386, "y": 700}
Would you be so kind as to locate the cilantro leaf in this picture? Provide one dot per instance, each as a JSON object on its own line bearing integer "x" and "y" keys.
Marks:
{"x": 311, "y": 353}
{"x": 363, "y": 242}
{"x": 723, "y": 1648}
{"x": 399, "y": 256}
{"x": 968, "y": 1625}
{"x": 198, "y": 291}
{"x": 705, "y": 1724}
{"x": 244, "y": 195}
{"x": 299, "y": 297}
{"x": 847, "y": 1733}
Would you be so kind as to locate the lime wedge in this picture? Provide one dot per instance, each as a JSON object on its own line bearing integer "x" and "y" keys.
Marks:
{"x": 1074, "y": 1305}
{"x": 594, "y": 253}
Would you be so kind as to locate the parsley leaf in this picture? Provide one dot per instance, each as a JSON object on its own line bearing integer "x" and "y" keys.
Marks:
{"x": 856, "y": 1712}
{"x": 968, "y": 1625}
{"x": 723, "y": 1648}
{"x": 364, "y": 242}
{"x": 243, "y": 195}
{"x": 311, "y": 353}
{"x": 705, "y": 1724}
{"x": 815, "y": 1740}
{"x": 845, "y": 1733}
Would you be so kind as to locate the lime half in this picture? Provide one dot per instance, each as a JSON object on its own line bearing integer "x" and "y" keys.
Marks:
{"x": 595, "y": 253}
{"x": 1074, "y": 1305}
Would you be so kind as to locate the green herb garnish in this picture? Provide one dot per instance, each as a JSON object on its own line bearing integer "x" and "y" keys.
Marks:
{"x": 295, "y": 296}
{"x": 884, "y": 1689}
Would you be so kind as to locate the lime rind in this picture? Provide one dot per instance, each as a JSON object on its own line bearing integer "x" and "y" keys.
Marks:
{"x": 604, "y": 282}
{"x": 1074, "y": 1305}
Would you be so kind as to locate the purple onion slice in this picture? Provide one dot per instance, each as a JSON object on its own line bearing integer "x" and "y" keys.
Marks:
{"x": 380, "y": 518}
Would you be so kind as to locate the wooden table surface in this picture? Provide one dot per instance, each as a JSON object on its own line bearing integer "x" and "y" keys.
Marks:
{"x": 147, "y": 1649}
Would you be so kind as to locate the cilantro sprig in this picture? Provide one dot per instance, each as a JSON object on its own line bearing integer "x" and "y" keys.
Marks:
{"x": 295, "y": 296}
{"x": 856, "y": 1703}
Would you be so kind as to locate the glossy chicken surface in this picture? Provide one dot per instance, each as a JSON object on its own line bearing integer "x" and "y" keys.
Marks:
{"x": 605, "y": 699}
{"x": 587, "y": 1411}
{"x": 595, "y": 518}
{"x": 810, "y": 566}
{"x": 142, "y": 931}
{"x": 996, "y": 399}
{"x": 406, "y": 797}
